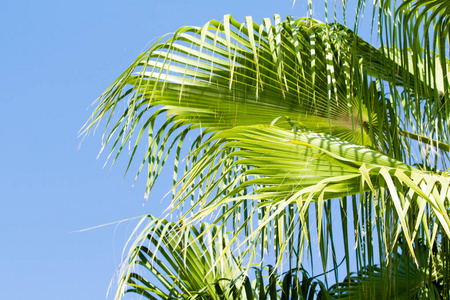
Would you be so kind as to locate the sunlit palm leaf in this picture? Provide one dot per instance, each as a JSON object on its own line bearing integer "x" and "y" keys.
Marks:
{"x": 272, "y": 111}
{"x": 172, "y": 264}
{"x": 230, "y": 74}
{"x": 282, "y": 168}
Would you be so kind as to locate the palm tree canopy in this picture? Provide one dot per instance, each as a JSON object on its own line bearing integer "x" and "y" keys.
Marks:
{"x": 283, "y": 116}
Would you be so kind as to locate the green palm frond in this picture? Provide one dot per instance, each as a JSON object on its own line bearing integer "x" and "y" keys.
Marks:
{"x": 419, "y": 42}
{"x": 296, "y": 284}
{"x": 231, "y": 74}
{"x": 283, "y": 172}
{"x": 283, "y": 120}
{"x": 407, "y": 279}
{"x": 424, "y": 16}
{"x": 170, "y": 263}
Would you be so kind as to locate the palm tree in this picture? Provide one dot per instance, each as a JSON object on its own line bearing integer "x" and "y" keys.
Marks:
{"x": 302, "y": 140}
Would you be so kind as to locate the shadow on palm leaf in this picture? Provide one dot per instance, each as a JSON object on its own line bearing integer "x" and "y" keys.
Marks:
{"x": 400, "y": 278}
{"x": 294, "y": 284}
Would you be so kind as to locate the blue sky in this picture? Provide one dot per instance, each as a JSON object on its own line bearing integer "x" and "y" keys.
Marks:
{"x": 57, "y": 57}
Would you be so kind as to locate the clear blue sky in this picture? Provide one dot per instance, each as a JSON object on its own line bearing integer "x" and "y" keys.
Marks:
{"x": 57, "y": 57}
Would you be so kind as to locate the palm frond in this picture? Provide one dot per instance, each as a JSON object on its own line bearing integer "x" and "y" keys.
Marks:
{"x": 281, "y": 120}
{"x": 231, "y": 74}
{"x": 171, "y": 263}
{"x": 279, "y": 171}
{"x": 406, "y": 279}
{"x": 419, "y": 42}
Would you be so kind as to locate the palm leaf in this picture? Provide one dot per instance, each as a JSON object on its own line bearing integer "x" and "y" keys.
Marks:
{"x": 282, "y": 117}
{"x": 172, "y": 264}
{"x": 407, "y": 280}
{"x": 230, "y": 74}
{"x": 281, "y": 168}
